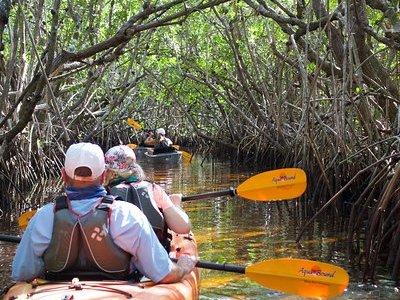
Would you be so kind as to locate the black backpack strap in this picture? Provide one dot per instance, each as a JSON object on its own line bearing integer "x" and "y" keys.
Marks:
{"x": 105, "y": 203}
{"x": 133, "y": 196}
{"x": 60, "y": 202}
{"x": 108, "y": 199}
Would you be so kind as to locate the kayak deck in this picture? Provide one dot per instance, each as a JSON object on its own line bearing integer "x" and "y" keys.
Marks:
{"x": 170, "y": 157}
{"x": 140, "y": 152}
{"x": 187, "y": 288}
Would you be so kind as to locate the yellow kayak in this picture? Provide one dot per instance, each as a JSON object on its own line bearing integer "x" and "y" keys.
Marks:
{"x": 188, "y": 288}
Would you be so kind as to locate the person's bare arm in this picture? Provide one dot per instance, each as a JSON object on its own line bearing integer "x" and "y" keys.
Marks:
{"x": 176, "y": 199}
{"x": 177, "y": 220}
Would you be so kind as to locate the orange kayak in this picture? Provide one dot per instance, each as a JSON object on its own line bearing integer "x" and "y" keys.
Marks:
{"x": 188, "y": 288}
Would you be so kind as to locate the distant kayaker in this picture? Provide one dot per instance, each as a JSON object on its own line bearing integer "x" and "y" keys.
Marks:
{"x": 149, "y": 140}
{"x": 163, "y": 144}
{"x": 87, "y": 230}
{"x": 125, "y": 178}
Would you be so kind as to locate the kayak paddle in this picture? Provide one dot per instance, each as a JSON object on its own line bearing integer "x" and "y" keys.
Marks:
{"x": 24, "y": 218}
{"x": 301, "y": 277}
{"x": 134, "y": 124}
{"x": 306, "y": 278}
{"x": 10, "y": 238}
{"x": 275, "y": 185}
{"x": 187, "y": 156}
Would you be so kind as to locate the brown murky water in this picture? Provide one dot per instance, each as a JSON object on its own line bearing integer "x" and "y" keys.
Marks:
{"x": 241, "y": 232}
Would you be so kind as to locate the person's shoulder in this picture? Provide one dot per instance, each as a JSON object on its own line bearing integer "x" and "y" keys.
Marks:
{"x": 157, "y": 187}
{"x": 154, "y": 186}
{"x": 123, "y": 211}
{"x": 42, "y": 218}
{"x": 124, "y": 206}
{"x": 47, "y": 208}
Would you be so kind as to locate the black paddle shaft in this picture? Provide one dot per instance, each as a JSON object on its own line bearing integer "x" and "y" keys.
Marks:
{"x": 10, "y": 238}
{"x": 229, "y": 192}
{"x": 219, "y": 267}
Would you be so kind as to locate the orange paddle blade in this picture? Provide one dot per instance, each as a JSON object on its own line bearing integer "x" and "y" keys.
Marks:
{"x": 134, "y": 124}
{"x": 23, "y": 219}
{"x": 187, "y": 157}
{"x": 302, "y": 277}
{"x": 274, "y": 185}
{"x": 132, "y": 146}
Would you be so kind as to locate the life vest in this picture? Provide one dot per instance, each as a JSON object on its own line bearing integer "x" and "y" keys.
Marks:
{"x": 83, "y": 243}
{"x": 164, "y": 146}
{"x": 140, "y": 196}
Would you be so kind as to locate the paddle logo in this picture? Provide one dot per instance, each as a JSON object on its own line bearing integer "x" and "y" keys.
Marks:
{"x": 99, "y": 234}
{"x": 316, "y": 270}
{"x": 283, "y": 177}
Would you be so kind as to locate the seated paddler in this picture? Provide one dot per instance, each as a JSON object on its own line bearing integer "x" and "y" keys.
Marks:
{"x": 125, "y": 178}
{"x": 86, "y": 232}
{"x": 163, "y": 144}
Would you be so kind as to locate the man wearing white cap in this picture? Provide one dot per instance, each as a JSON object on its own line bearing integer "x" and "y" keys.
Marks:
{"x": 86, "y": 230}
{"x": 163, "y": 144}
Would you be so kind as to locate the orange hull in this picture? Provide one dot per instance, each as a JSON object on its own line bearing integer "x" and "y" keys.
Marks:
{"x": 188, "y": 288}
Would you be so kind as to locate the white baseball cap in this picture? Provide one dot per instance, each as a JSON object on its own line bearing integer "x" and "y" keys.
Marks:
{"x": 84, "y": 155}
{"x": 160, "y": 131}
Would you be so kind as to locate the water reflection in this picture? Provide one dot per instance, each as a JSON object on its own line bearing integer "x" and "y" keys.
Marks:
{"x": 237, "y": 231}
